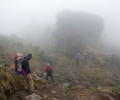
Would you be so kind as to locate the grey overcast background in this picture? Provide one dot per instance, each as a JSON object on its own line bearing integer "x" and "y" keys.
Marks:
{"x": 15, "y": 15}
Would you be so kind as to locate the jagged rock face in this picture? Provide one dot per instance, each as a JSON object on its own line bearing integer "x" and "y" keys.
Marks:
{"x": 74, "y": 27}
{"x": 85, "y": 24}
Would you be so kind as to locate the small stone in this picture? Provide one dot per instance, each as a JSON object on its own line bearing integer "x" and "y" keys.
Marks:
{"x": 35, "y": 77}
{"x": 57, "y": 96}
{"x": 53, "y": 99}
{"x": 76, "y": 81}
{"x": 43, "y": 98}
{"x": 66, "y": 85}
{"x": 48, "y": 85}
{"x": 64, "y": 94}
{"x": 99, "y": 88}
{"x": 65, "y": 88}
{"x": 86, "y": 84}
{"x": 44, "y": 95}
{"x": 53, "y": 92}
{"x": 60, "y": 85}
{"x": 56, "y": 75}
{"x": 78, "y": 73}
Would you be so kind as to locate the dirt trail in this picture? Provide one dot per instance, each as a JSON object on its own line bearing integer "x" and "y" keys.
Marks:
{"x": 66, "y": 75}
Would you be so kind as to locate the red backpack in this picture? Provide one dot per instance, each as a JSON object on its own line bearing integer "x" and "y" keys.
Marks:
{"x": 18, "y": 58}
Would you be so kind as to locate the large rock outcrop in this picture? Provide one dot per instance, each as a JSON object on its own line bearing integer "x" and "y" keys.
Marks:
{"x": 74, "y": 28}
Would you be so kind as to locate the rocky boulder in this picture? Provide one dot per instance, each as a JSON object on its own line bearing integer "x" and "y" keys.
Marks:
{"x": 33, "y": 96}
{"x": 75, "y": 27}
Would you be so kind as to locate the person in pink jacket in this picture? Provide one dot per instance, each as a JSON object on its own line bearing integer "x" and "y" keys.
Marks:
{"x": 49, "y": 71}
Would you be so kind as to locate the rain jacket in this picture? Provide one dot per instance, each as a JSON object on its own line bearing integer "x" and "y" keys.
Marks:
{"x": 48, "y": 68}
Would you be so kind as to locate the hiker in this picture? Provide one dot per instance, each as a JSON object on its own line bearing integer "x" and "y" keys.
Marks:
{"x": 77, "y": 57}
{"x": 26, "y": 73}
{"x": 49, "y": 71}
{"x": 86, "y": 57}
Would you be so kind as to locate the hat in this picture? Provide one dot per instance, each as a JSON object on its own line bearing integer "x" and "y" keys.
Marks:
{"x": 29, "y": 56}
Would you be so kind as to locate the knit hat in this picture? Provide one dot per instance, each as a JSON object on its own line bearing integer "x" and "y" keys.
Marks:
{"x": 48, "y": 64}
{"x": 29, "y": 56}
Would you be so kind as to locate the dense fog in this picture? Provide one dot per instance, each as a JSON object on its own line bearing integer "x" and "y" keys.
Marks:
{"x": 75, "y": 42}
{"x": 36, "y": 20}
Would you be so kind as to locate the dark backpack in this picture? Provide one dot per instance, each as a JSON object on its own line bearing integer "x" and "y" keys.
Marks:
{"x": 49, "y": 70}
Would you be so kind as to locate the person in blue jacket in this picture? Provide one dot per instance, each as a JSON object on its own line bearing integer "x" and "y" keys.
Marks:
{"x": 26, "y": 72}
{"x": 77, "y": 58}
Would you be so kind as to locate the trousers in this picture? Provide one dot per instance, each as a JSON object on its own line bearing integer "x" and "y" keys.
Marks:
{"x": 51, "y": 76}
{"x": 29, "y": 82}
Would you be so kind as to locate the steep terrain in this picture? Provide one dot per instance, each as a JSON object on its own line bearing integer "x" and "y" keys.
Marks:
{"x": 70, "y": 85}
{"x": 97, "y": 77}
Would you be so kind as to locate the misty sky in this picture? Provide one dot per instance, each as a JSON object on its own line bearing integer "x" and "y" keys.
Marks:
{"x": 17, "y": 14}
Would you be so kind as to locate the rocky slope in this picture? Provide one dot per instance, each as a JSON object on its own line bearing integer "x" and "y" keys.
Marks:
{"x": 97, "y": 77}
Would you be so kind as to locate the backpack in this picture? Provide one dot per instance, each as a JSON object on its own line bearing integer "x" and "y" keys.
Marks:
{"x": 49, "y": 70}
{"x": 18, "y": 58}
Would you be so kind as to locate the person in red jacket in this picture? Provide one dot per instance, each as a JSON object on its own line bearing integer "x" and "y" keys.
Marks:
{"x": 49, "y": 71}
